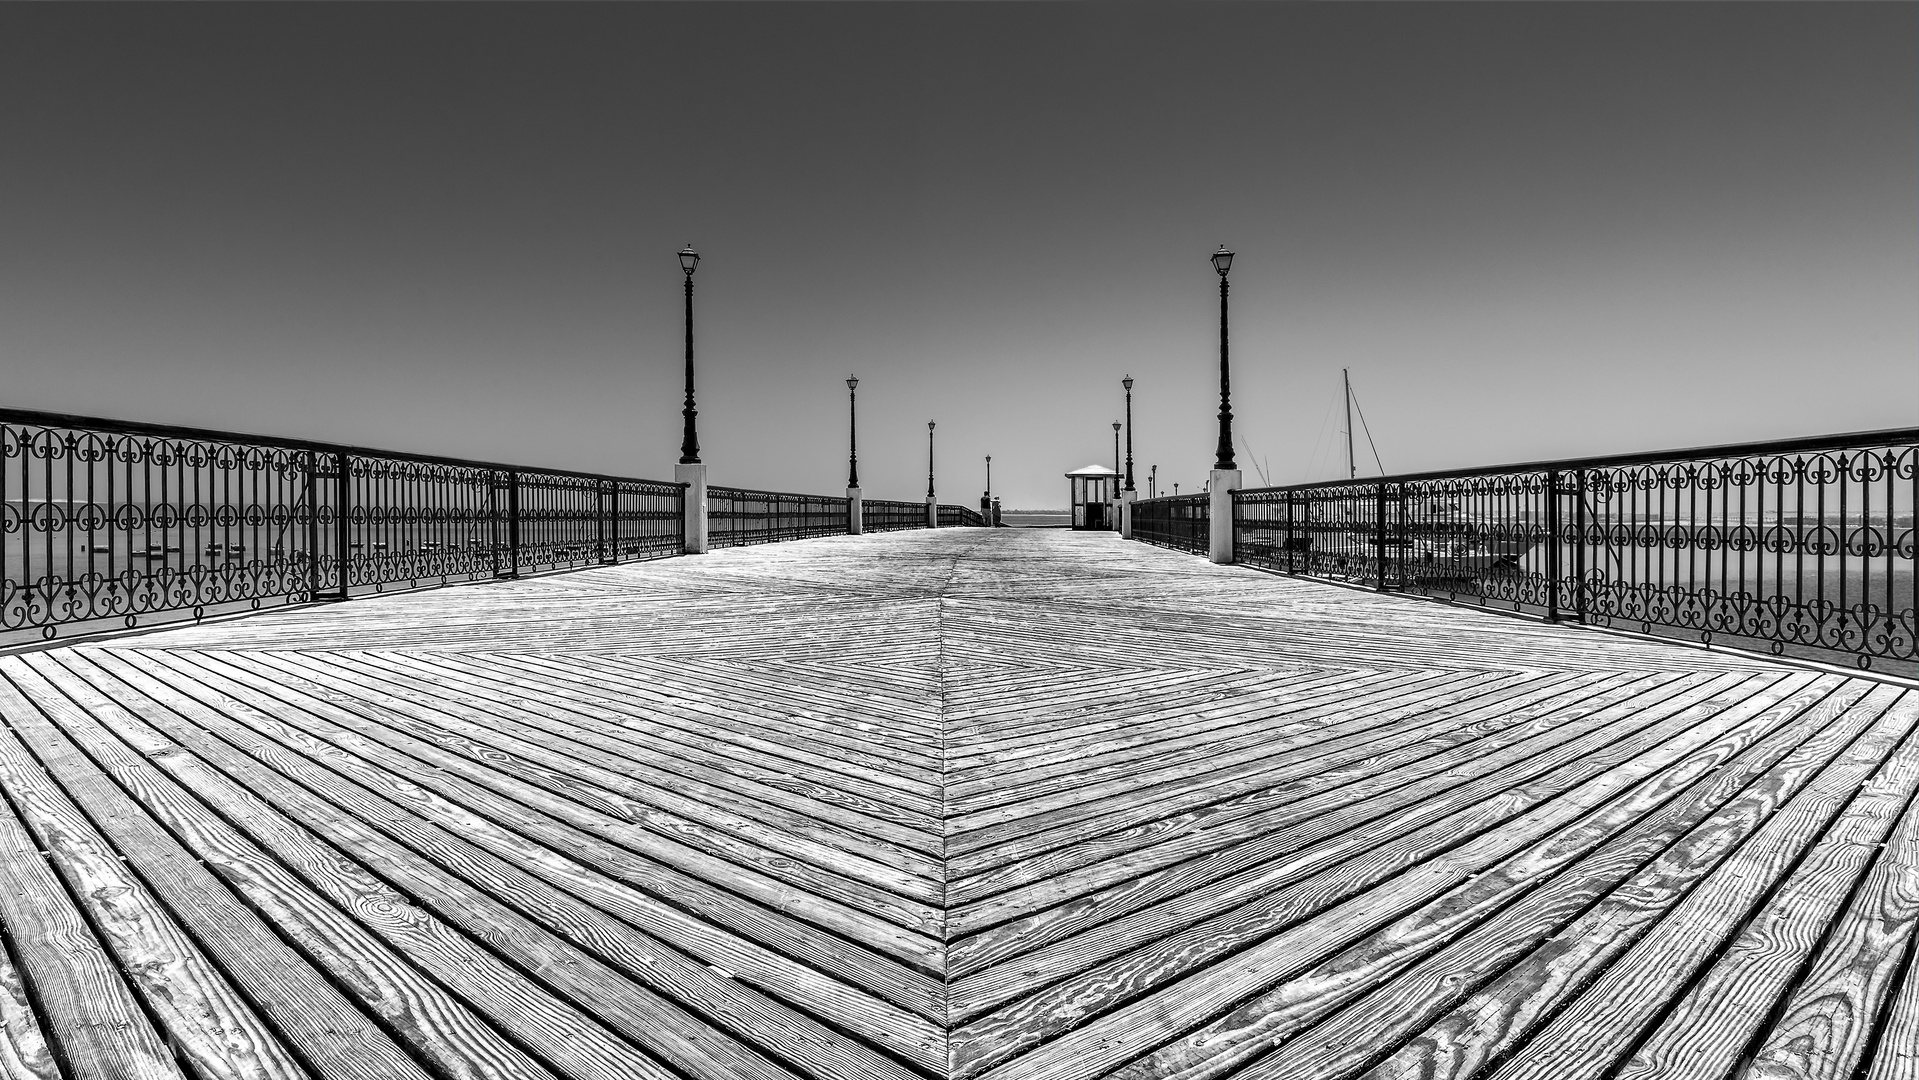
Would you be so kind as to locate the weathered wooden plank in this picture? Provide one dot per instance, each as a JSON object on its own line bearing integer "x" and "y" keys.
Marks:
{"x": 1005, "y": 718}
{"x": 1432, "y": 956}
{"x": 564, "y": 1036}
{"x": 1898, "y": 1033}
{"x": 779, "y": 809}
{"x": 740, "y": 780}
{"x": 473, "y": 890}
{"x": 1168, "y": 812}
{"x": 821, "y": 705}
{"x": 1172, "y": 786}
{"x": 202, "y": 1017}
{"x": 1824, "y": 1029}
{"x": 295, "y": 1003}
{"x": 1181, "y": 716}
{"x": 1533, "y": 994}
{"x": 1288, "y": 929}
{"x": 1400, "y": 1001}
{"x": 24, "y": 1053}
{"x": 98, "y": 1028}
{"x": 1595, "y": 1031}
{"x": 743, "y": 865}
{"x": 435, "y": 1023}
{"x": 724, "y": 927}
{"x": 1321, "y": 777}
{"x": 799, "y": 982}
{"x": 634, "y": 980}
{"x": 1250, "y": 721}
{"x": 1421, "y": 815}
{"x": 755, "y": 715}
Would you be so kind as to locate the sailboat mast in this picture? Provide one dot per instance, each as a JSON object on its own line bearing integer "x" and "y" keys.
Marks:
{"x": 1346, "y": 384}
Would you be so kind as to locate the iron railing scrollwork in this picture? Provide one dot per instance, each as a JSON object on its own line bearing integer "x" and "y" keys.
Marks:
{"x": 113, "y": 521}
{"x": 889, "y": 515}
{"x": 1802, "y": 547}
{"x": 738, "y": 516}
{"x": 1180, "y": 522}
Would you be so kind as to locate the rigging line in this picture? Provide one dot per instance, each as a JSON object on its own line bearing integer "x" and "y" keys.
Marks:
{"x": 1363, "y": 426}
{"x": 1312, "y": 463}
{"x": 1254, "y": 458}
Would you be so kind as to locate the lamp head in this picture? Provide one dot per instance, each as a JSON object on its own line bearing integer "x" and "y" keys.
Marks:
{"x": 852, "y": 382}
{"x": 689, "y": 259}
{"x": 929, "y": 425}
{"x": 1222, "y": 260}
{"x": 1127, "y": 382}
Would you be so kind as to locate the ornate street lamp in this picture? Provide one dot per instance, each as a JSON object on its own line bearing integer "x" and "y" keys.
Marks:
{"x": 689, "y": 439}
{"x": 1116, "y": 451}
{"x": 1222, "y": 262}
{"x": 853, "y": 428}
{"x": 929, "y": 461}
{"x": 989, "y": 476}
{"x": 1152, "y": 482}
{"x": 1127, "y": 382}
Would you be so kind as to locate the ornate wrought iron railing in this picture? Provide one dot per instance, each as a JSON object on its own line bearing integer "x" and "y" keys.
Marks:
{"x": 951, "y": 516}
{"x": 888, "y": 515}
{"x": 107, "y": 522}
{"x": 1181, "y": 522}
{"x": 738, "y": 516}
{"x": 1800, "y": 548}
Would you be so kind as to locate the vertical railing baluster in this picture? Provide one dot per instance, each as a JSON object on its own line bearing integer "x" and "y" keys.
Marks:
{"x": 1552, "y": 545}
{"x": 601, "y": 508}
{"x": 1840, "y": 532}
{"x": 312, "y": 461}
{"x": 343, "y": 520}
{"x": 1291, "y": 551}
{"x": 513, "y": 524}
{"x": 1379, "y": 534}
{"x": 1579, "y": 545}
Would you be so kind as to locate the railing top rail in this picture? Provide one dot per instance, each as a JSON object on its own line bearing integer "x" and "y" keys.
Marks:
{"x": 1809, "y": 444}
{"x": 731, "y": 492}
{"x": 168, "y": 431}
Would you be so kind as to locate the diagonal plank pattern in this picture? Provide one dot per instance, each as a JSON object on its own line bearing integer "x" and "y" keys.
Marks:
{"x": 1016, "y": 805}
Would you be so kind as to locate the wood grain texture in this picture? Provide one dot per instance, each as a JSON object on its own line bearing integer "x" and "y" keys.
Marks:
{"x": 1018, "y": 805}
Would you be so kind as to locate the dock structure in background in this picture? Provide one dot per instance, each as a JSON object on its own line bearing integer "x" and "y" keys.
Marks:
{"x": 997, "y": 804}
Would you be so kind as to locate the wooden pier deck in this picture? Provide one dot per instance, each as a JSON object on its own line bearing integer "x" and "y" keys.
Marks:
{"x": 1011, "y": 804}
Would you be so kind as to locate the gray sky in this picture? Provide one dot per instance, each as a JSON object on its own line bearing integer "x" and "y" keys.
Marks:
{"x": 1529, "y": 230}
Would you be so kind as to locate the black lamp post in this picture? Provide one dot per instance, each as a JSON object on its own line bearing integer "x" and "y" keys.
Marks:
{"x": 989, "y": 477}
{"x": 1116, "y": 451}
{"x": 1223, "y": 459}
{"x": 853, "y": 431}
{"x": 689, "y": 439}
{"x": 929, "y": 461}
{"x": 1127, "y": 382}
{"x": 1152, "y": 482}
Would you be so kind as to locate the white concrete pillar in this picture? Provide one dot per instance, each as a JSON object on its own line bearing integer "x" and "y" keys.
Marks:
{"x": 855, "y": 509}
{"x": 932, "y": 513}
{"x": 694, "y": 477}
{"x": 1223, "y": 481}
{"x": 1126, "y": 501}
